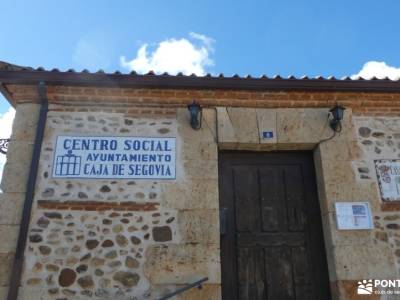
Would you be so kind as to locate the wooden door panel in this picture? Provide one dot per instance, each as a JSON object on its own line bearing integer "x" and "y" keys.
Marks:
{"x": 251, "y": 273}
{"x": 294, "y": 197}
{"x": 270, "y": 240}
{"x": 245, "y": 187}
{"x": 279, "y": 268}
{"x": 273, "y": 247}
{"x": 270, "y": 194}
{"x": 301, "y": 274}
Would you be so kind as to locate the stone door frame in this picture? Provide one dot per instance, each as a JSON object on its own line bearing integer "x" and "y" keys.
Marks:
{"x": 293, "y": 130}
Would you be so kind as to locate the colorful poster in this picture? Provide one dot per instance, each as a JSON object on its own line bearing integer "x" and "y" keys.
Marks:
{"x": 388, "y": 172}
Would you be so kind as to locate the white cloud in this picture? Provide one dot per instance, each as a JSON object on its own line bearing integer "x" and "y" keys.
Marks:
{"x": 208, "y": 42}
{"x": 379, "y": 69}
{"x": 6, "y": 121}
{"x": 174, "y": 55}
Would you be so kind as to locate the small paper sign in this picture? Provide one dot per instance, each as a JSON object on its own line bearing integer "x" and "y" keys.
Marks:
{"x": 353, "y": 215}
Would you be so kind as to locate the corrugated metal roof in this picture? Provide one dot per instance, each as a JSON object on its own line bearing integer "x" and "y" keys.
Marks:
{"x": 4, "y": 66}
{"x": 20, "y": 75}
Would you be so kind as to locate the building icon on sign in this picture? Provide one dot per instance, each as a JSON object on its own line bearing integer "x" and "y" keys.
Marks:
{"x": 68, "y": 164}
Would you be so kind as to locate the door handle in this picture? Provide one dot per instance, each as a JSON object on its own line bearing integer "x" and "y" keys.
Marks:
{"x": 223, "y": 220}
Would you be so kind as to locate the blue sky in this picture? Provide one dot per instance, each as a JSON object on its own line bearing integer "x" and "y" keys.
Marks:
{"x": 247, "y": 37}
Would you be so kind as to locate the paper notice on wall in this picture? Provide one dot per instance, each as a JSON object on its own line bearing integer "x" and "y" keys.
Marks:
{"x": 388, "y": 173}
{"x": 353, "y": 215}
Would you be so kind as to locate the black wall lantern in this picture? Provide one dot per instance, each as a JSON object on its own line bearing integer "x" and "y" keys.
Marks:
{"x": 195, "y": 115}
{"x": 4, "y": 145}
{"x": 337, "y": 113}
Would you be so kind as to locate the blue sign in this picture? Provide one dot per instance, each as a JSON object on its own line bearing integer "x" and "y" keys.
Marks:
{"x": 268, "y": 134}
{"x": 114, "y": 157}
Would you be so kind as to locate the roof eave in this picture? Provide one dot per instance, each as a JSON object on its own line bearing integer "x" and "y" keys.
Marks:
{"x": 28, "y": 77}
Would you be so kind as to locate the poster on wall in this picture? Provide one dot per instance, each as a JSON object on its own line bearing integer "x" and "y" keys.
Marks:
{"x": 353, "y": 215}
{"x": 388, "y": 172}
{"x": 114, "y": 157}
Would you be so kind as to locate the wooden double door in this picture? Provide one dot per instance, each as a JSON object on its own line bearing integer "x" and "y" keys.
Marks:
{"x": 271, "y": 233}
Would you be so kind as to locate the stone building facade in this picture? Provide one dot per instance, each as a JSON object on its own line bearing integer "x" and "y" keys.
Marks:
{"x": 113, "y": 238}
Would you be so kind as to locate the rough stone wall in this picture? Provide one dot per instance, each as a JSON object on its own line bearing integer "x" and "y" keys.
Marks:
{"x": 126, "y": 239}
{"x": 379, "y": 138}
{"x": 13, "y": 185}
{"x": 346, "y": 172}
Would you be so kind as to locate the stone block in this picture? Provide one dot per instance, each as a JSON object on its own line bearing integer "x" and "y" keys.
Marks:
{"x": 199, "y": 169}
{"x": 320, "y": 180}
{"x": 27, "y": 114}
{"x": 337, "y": 181}
{"x": 199, "y": 226}
{"x": 294, "y": 147}
{"x": 246, "y": 147}
{"x": 9, "y": 236}
{"x": 330, "y": 258}
{"x": 210, "y": 120}
{"x": 345, "y": 237}
{"x": 244, "y": 122}
{"x": 15, "y": 177}
{"x": 181, "y": 263}
{"x": 24, "y": 125}
{"x": 226, "y": 131}
{"x": 11, "y": 206}
{"x": 26, "y": 134}
{"x": 304, "y": 126}
{"x": 266, "y": 119}
{"x": 205, "y": 134}
{"x": 20, "y": 152}
{"x": 357, "y": 261}
{"x": 340, "y": 150}
{"x": 6, "y": 262}
{"x": 197, "y": 150}
{"x": 207, "y": 292}
{"x": 267, "y": 147}
{"x": 190, "y": 194}
{"x": 348, "y": 132}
